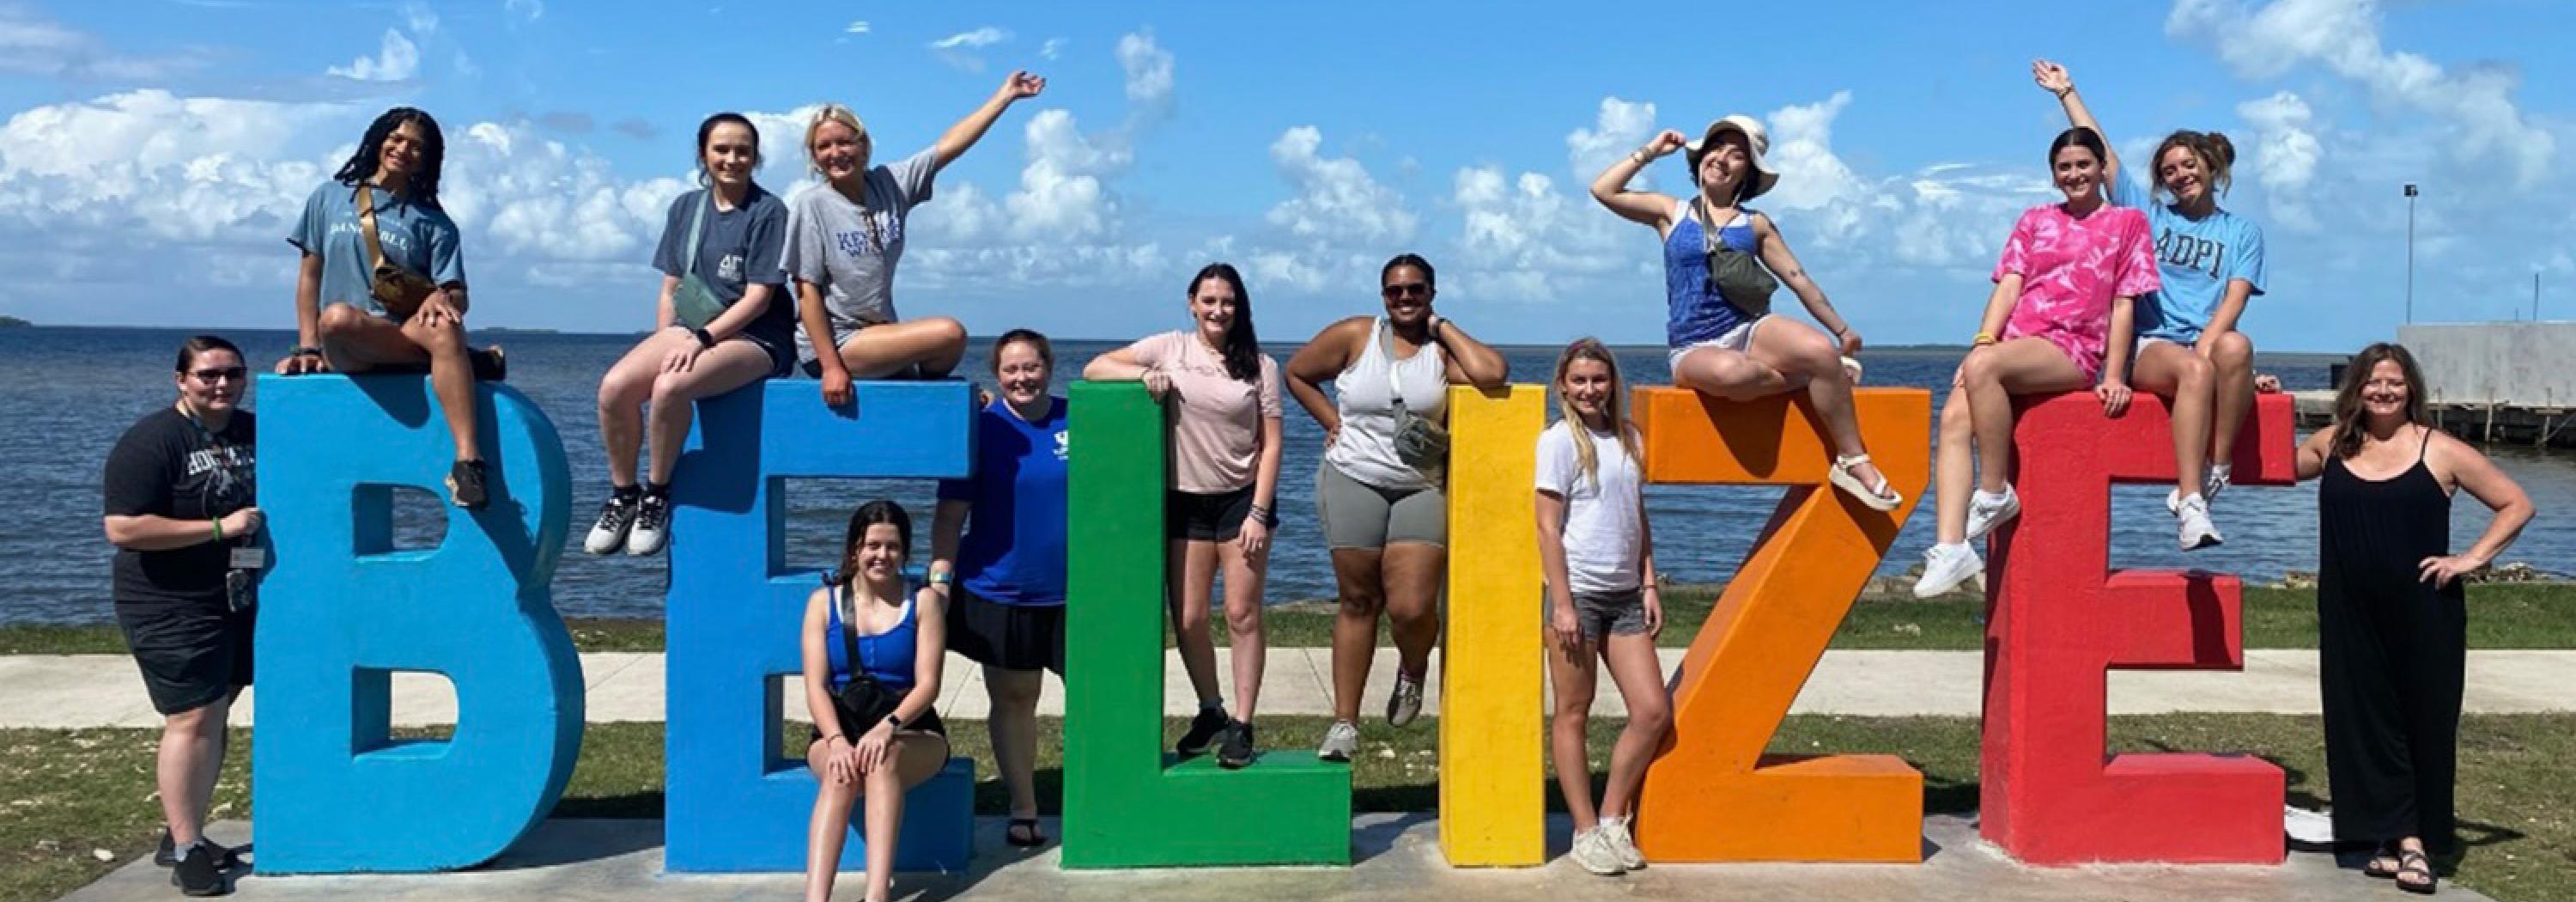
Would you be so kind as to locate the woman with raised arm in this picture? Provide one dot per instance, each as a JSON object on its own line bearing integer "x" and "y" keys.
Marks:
{"x": 1720, "y": 263}
{"x": 2209, "y": 261}
{"x": 2392, "y": 615}
{"x": 1225, "y": 469}
{"x": 723, "y": 321}
{"x": 868, "y": 624}
{"x": 382, "y": 282}
{"x": 1378, "y": 489}
{"x": 999, "y": 537}
{"x": 845, "y": 236}
{"x": 2058, "y": 320}
{"x": 1603, "y": 606}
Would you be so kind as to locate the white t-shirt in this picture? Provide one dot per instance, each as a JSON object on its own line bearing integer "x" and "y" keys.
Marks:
{"x": 1604, "y": 524}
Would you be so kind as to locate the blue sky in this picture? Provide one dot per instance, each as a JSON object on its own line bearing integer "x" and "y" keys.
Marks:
{"x": 155, "y": 149}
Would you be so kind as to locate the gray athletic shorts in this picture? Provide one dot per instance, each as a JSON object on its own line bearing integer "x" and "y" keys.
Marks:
{"x": 1359, "y": 515}
{"x": 1611, "y": 613}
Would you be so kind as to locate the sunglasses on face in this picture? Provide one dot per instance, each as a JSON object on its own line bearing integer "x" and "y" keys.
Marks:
{"x": 219, "y": 374}
{"x": 1405, "y": 290}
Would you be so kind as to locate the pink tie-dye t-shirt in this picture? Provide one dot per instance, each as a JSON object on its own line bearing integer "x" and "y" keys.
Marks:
{"x": 2070, "y": 270}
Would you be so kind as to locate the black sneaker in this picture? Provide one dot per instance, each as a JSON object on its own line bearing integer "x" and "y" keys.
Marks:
{"x": 489, "y": 364}
{"x": 198, "y": 872}
{"x": 465, "y": 484}
{"x": 1235, "y": 752}
{"x": 165, "y": 856}
{"x": 1205, "y": 728}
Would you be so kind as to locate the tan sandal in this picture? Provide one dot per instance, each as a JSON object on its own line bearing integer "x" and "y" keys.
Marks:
{"x": 1881, "y": 497}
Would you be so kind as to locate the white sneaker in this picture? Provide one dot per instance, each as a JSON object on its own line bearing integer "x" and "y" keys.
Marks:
{"x": 2197, "y": 531}
{"x": 2210, "y": 485}
{"x": 1945, "y": 567}
{"x": 1593, "y": 851}
{"x": 608, "y": 533}
{"x": 1405, "y": 703}
{"x": 652, "y": 526}
{"x": 1340, "y": 740}
{"x": 1985, "y": 512}
{"x": 1624, "y": 842}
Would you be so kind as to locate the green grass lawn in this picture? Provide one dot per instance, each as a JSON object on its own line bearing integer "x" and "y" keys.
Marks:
{"x": 68, "y": 793}
{"x": 2501, "y": 615}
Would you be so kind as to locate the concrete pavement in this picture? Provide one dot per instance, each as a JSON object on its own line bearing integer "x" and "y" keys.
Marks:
{"x": 72, "y": 691}
{"x": 1394, "y": 857}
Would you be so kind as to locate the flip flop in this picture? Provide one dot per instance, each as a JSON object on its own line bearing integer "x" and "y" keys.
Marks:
{"x": 1023, "y": 832}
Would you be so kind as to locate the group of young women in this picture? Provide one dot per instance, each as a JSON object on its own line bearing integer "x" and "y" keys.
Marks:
{"x": 754, "y": 287}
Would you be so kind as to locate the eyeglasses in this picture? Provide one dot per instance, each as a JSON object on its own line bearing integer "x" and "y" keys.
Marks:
{"x": 211, "y": 376}
{"x": 1405, "y": 290}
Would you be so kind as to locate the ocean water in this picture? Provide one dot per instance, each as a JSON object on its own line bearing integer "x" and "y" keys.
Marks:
{"x": 69, "y": 393}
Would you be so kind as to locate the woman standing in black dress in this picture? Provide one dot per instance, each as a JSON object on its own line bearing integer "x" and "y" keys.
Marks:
{"x": 2392, "y": 619}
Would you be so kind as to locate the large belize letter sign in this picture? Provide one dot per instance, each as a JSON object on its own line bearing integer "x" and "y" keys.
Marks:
{"x": 343, "y": 611}
{"x": 2060, "y": 617}
{"x": 739, "y": 802}
{"x": 1712, "y": 795}
{"x": 1125, "y": 803}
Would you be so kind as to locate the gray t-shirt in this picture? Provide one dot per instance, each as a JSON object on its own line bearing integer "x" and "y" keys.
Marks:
{"x": 737, "y": 249}
{"x": 416, "y": 237}
{"x": 849, "y": 252}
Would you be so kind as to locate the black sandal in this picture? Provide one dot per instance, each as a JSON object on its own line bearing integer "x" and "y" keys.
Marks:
{"x": 1023, "y": 832}
{"x": 2384, "y": 862}
{"x": 2412, "y": 862}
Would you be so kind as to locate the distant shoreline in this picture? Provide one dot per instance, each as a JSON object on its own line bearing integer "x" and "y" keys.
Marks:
{"x": 2292, "y": 356}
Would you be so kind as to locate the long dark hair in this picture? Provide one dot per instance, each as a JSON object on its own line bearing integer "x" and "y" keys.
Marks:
{"x": 1242, "y": 348}
{"x": 361, "y": 167}
{"x": 2347, "y": 403}
{"x": 199, "y": 344}
{"x": 2217, "y": 156}
{"x": 2078, "y": 136}
{"x": 870, "y": 514}
{"x": 707, "y": 130}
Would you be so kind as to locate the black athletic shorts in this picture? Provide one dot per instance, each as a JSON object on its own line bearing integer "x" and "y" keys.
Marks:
{"x": 191, "y": 655}
{"x": 1008, "y": 636}
{"x": 1216, "y": 517}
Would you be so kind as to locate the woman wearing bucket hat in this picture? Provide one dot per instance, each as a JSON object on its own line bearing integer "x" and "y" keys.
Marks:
{"x": 1722, "y": 261}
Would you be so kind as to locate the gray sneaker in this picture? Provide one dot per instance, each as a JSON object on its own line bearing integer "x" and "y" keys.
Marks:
{"x": 1592, "y": 850}
{"x": 1405, "y": 703}
{"x": 1340, "y": 740}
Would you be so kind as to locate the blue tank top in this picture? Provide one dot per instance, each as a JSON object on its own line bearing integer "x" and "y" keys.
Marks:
{"x": 887, "y": 656}
{"x": 1693, "y": 310}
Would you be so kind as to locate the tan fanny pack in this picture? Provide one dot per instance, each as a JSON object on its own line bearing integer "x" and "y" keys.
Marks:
{"x": 399, "y": 290}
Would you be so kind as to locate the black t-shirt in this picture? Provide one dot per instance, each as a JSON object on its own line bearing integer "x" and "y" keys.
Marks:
{"x": 169, "y": 466}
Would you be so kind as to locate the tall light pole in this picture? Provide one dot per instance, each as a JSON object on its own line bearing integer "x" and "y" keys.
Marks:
{"x": 2410, "y": 252}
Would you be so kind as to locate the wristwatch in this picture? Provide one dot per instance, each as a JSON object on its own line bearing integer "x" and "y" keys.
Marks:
{"x": 894, "y": 720}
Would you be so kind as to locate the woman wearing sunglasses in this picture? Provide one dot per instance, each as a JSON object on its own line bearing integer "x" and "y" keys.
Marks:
{"x": 1378, "y": 489}
{"x": 1720, "y": 263}
{"x": 180, "y": 503}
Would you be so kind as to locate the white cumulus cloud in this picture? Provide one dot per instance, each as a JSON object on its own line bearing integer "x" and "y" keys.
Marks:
{"x": 2343, "y": 37}
{"x": 2286, "y": 154}
{"x": 1335, "y": 198}
{"x": 399, "y": 60}
{"x": 1149, "y": 70}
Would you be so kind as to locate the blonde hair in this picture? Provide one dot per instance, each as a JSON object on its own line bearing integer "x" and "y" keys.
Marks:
{"x": 1614, "y": 408}
{"x": 831, "y": 112}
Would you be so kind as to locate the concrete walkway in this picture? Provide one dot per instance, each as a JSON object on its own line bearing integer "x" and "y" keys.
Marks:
{"x": 1394, "y": 857}
{"x": 69, "y": 691}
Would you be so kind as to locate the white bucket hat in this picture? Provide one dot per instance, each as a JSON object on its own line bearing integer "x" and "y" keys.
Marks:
{"x": 1756, "y": 140}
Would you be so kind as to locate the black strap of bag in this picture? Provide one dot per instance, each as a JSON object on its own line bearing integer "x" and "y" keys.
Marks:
{"x": 862, "y": 701}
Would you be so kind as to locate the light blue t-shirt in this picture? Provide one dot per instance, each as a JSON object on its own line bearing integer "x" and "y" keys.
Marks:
{"x": 2195, "y": 258}
{"x": 416, "y": 237}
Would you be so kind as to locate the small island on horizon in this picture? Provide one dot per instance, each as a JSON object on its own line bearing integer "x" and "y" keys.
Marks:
{"x": 11, "y": 322}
